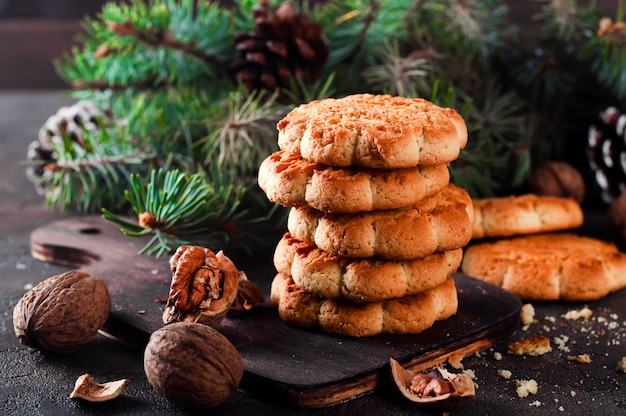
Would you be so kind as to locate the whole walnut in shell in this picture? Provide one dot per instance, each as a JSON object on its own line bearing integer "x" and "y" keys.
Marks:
{"x": 555, "y": 178}
{"x": 616, "y": 217}
{"x": 62, "y": 313}
{"x": 192, "y": 365}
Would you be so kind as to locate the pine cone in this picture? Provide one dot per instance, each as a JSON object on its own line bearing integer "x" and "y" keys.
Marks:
{"x": 71, "y": 122}
{"x": 282, "y": 45}
{"x": 606, "y": 153}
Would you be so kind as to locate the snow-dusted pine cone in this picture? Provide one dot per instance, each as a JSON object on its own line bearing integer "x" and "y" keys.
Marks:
{"x": 282, "y": 45}
{"x": 606, "y": 153}
{"x": 71, "y": 122}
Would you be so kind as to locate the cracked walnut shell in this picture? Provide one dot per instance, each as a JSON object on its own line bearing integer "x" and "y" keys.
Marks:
{"x": 203, "y": 288}
{"x": 437, "y": 388}
{"x": 62, "y": 313}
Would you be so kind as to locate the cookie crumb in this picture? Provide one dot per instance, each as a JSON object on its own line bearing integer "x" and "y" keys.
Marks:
{"x": 455, "y": 361}
{"x": 526, "y": 387}
{"x": 582, "y": 358}
{"x": 506, "y": 374}
{"x": 536, "y": 345}
{"x": 621, "y": 365}
{"x": 527, "y": 314}
{"x": 584, "y": 313}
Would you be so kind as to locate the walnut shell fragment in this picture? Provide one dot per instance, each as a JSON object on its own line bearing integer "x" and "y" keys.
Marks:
{"x": 203, "y": 288}
{"x": 62, "y": 313}
{"x": 87, "y": 388}
{"x": 437, "y": 388}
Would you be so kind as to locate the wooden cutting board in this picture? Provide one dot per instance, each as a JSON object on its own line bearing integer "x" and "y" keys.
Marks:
{"x": 281, "y": 364}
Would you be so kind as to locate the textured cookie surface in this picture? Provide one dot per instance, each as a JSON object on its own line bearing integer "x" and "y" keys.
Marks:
{"x": 550, "y": 266}
{"x": 525, "y": 214}
{"x": 291, "y": 181}
{"x": 376, "y": 131}
{"x": 439, "y": 223}
{"x": 407, "y": 315}
{"x": 361, "y": 280}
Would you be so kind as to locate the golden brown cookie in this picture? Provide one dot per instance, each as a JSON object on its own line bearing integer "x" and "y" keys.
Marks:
{"x": 407, "y": 315}
{"x": 525, "y": 214}
{"x": 439, "y": 223}
{"x": 374, "y": 131}
{"x": 549, "y": 266}
{"x": 292, "y": 181}
{"x": 361, "y": 280}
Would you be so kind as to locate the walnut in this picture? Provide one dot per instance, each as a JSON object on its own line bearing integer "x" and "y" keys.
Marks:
{"x": 203, "y": 288}
{"x": 616, "y": 217}
{"x": 62, "y": 313}
{"x": 192, "y": 365}
{"x": 556, "y": 178}
{"x": 436, "y": 388}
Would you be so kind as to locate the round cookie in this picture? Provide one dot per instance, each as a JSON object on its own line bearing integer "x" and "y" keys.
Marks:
{"x": 291, "y": 181}
{"x": 374, "y": 131}
{"x": 361, "y": 280}
{"x": 439, "y": 223}
{"x": 524, "y": 214}
{"x": 549, "y": 266}
{"x": 407, "y": 315}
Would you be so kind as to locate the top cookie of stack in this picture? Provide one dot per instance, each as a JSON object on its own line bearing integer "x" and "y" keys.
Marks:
{"x": 362, "y": 153}
{"x": 367, "y": 179}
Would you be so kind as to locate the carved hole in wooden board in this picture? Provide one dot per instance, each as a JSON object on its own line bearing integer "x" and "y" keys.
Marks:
{"x": 90, "y": 230}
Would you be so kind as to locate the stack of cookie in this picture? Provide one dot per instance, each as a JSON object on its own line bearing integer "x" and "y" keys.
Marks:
{"x": 375, "y": 228}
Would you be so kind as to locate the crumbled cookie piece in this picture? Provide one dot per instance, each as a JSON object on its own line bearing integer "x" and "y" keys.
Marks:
{"x": 536, "y": 345}
{"x": 527, "y": 314}
{"x": 526, "y": 387}
{"x": 455, "y": 361}
{"x": 584, "y": 313}
{"x": 621, "y": 365}
{"x": 582, "y": 358}
{"x": 561, "y": 342}
{"x": 506, "y": 374}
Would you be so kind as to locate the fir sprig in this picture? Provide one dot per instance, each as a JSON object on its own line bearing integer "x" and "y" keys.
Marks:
{"x": 608, "y": 48}
{"x": 246, "y": 133}
{"x": 93, "y": 173}
{"x": 149, "y": 44}
{"x": 178, "y": 208}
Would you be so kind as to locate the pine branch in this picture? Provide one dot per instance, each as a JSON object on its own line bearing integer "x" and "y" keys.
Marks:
{"x": 90, "y": 174}
{"x": 398, "y": 75}
{"x": 150, "y": 44}
{"x": 244, "y": 135}
{"x": 608, "y": 48}
{"x": 178, "y": 208}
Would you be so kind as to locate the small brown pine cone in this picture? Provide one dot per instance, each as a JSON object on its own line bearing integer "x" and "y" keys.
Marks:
{"x": 283, "y": 45}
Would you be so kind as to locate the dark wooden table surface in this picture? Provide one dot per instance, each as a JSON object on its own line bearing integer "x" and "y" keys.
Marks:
{"x": 31, "y": 383}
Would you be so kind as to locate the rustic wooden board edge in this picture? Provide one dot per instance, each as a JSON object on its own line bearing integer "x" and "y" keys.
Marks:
{"x": 350, "y": 389}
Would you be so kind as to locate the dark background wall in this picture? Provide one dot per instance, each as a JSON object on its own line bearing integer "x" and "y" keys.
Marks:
{"x": 35, "y": 32}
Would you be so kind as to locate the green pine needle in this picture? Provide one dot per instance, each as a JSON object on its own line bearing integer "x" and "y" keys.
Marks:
{"x": 179, "y": 208}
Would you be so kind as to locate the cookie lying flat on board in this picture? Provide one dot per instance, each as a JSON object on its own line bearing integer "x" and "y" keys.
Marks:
{"x": 549, "y": 266}
{"x": 361, "y": 280}
{"x": 375, "y": 131}
{"x": 525, "y": 214}
{"x": 292, "y": 181}
{"x": 407, "y": 315}
{"x": 441, "y": 222}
